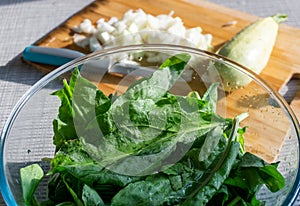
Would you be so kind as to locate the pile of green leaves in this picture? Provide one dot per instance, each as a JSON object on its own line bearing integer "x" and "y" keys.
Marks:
{"x": 148, "y": 147}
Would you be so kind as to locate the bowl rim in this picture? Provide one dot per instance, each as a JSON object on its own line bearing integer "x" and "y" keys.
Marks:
{"x": 4, "y": 186}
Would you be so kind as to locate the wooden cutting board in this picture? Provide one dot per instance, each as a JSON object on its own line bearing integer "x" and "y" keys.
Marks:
{"x": 283, "y": 64}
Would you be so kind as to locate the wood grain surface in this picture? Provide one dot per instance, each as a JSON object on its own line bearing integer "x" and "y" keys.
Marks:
{"x": 267, "y": 137}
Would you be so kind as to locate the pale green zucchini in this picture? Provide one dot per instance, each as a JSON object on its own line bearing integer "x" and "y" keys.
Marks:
{"x": 251, "y": 47}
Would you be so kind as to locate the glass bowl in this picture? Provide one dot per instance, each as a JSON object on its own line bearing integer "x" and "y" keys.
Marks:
{"x": 141, "y": 132}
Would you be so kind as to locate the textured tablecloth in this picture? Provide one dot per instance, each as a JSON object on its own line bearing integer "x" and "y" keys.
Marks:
{"x": 22, "y": 22}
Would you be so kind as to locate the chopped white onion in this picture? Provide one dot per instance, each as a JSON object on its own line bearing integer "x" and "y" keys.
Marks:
{"x": 137, "y": 27}
{"x": 76, "y": 29}
{"x": 94, "y": 44}
{"x": 86, "y": 26}
{"x": 81, "y": 40}
{"x": 104, "y": 37}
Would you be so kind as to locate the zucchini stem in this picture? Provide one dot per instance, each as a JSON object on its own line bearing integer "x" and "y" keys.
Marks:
{"x": 280, "y": 18}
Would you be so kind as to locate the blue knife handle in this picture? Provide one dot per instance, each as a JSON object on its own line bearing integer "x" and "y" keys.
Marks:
{"x": 51, "y": 56}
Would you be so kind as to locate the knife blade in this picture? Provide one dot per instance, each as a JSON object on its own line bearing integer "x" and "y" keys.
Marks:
{"x": 61, "y": 56}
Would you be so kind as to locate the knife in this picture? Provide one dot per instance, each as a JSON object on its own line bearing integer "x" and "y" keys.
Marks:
{"x": 50, "y": 56}
{"x": 61, "y": 56}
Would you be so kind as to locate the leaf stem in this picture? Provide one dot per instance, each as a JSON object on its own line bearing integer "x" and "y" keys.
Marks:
{"x": 234, "y": 201}
{"x": 233, "y": 133}
{"x": 66, "y": 85}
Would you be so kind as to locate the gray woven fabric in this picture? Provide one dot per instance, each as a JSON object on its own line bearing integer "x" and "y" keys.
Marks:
{"x": 265, "y": 8}
{"x": 22, "y": 22}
